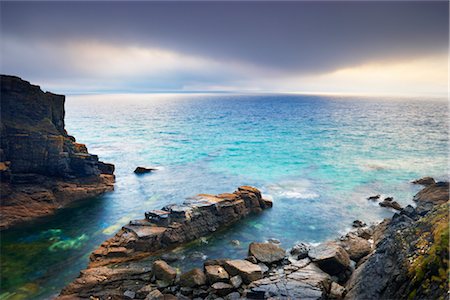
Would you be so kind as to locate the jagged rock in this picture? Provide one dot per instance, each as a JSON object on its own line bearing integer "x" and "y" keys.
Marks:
{"x": 330, "y": 257}
{"x": 216, "y": 273}
{"x": 248, "y": 271}
{"x": 37, "y": 153}
{"x": 388, "y": 202}
{"x": 430, "y": 196}
{"x": 266, "y": 252}
{"x": 181, "y": 223}
{"x": 193, "y": 278}
{"x": 143, "y": 170}
{"x": 163, "y": 271}
{"x": 300, "y": 251}
{"x": 425, "y": 181}
{"x": 222, "y": 288}
{"x": 355, "y": 246}
{"x": 358, "y": 224}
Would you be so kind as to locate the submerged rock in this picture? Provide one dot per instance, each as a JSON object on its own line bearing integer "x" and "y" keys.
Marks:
{"x": 42, "y": 168}
{"x": 374, "y": 198}
{"x": 388, "y": 202}
{"x": 358, "y": 224}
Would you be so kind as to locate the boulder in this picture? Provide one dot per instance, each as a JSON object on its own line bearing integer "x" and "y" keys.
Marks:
{"x": 248, "y": 271}
{"x": 144, "y": 170}
{"x": 163, "y": 271}
{"x": 374, "y": 198}
{"x": 388, "y": 202}
{"x": 358, "y": 224}
{"x": 236, "y": 281}
{"x": 330, "y": 257}
{"x": 300, "y": 251}
{"x": 337, "y": 291}
{"x": 355, "y": 246}
{"x": 425, "y": 181}
{"x": 216, "y": 273}
{"x": 193, "y": 278}
{"x": 221, "y": 288}
{"x": 266, "y": 252}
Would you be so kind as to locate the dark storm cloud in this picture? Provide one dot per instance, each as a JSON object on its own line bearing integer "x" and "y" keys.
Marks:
{"x": 305, "y": 37}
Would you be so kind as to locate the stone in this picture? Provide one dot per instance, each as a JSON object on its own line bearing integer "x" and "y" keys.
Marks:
{"x": 144, "y": 170}
{"x": 374, "y": 198}
{"x": 266, "y": 252}
{"x": 330, "y": 257}
{"x": 155, "y": 295}
{"x": 425, "y": 181}
{"x": 336, "y": 291}
{"x": 248, "y": 271}
{"x": 236, "y": 281}
{"x": 144, "y": 291}
{"x": 274, "y": 241}
{"x": 233, "y": 296}
{"x": 163, "y": 271}
{"x": 235, "y": 243}
{"x": 193, "y": 278}
{"x": 390, "y": 203}
{"x": 221, "y": 288}
{"x": 300, "y": 251}
{"x": 355, "y": 246}
{"x": 216, "y": 273}
{"x": 358, "y": 224}
{"x": 129, "y": 294}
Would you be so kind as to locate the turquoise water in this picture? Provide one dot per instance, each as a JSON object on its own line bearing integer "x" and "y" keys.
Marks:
{"x": 317, "y": 157}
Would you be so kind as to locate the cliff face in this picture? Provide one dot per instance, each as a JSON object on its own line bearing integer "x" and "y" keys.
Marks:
{"x": 37, "y": 153}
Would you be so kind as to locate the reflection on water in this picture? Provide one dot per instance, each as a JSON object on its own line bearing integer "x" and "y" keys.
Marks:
{"x": 318, "y": 158}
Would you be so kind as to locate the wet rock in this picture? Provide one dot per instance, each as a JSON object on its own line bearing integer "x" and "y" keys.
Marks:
{"x": 236, "y": 281}
{"x": 374, "y": 198}
{"x": 388, "y": 202}
{"x": 216, "y": 273}
{"x": 365, "y": 233}
{"x": 221, "y": 288}
{"x": 266, "y": 252}
{"x": 300, "y": 251}
{"x": 358, "y": 224}
{"x": 193, "y": 278}
{"x": 425, "y": 181}
{"x": 144, "y": 170}
{"x": 163, "y": 271}
{"x": 274, "y": 241}
{"x": 330, "y": 257}
{"x": 235, "y": 243}
{"x": 248, "y": 271}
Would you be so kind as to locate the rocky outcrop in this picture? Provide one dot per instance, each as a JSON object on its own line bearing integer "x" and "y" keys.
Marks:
{"x": 411, "y": 257}
{"x": 177, "y": 224}
{"x": 41, "y": 166}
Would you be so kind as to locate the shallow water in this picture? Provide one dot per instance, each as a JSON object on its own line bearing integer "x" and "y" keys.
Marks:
{"x": 318, "y": 158}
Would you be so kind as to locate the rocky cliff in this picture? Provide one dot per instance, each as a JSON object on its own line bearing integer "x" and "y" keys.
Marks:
{"x": 41, "y": 166}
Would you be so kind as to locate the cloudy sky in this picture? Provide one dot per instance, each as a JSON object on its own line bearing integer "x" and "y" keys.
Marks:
{"x": 310, "y": 47}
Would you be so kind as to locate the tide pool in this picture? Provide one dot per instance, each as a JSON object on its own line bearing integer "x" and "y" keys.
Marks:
{"x": 317, "y": 157}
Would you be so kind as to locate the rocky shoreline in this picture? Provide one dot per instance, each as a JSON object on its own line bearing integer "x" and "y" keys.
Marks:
{"x": 42, "y": 168}
{"x": 403, "y": 257}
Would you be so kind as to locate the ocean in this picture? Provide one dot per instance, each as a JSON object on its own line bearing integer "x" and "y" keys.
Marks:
{"x": 317, "y": 157}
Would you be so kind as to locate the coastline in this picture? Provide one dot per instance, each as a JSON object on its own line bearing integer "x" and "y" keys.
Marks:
{"x": 344, "y": 268}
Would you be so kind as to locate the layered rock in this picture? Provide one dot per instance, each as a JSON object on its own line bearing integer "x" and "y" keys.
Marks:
{"x": 177, "y": 224}
{"x": 41, "y": 166}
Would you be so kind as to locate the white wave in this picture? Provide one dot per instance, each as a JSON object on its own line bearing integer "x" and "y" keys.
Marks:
{"x": 293, "y": 189}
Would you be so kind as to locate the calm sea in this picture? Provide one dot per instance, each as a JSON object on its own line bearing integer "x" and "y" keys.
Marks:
{"x": 317, "y": 157}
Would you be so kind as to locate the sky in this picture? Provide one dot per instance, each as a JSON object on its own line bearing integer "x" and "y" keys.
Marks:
{"x": 357, "y": 47}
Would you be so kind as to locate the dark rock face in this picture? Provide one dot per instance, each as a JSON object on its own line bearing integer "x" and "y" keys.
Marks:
{"x": 36, "y": 149}
{"x": 425, "y": 181}
{"x": 144, "y": 170}
{"x": 177, "y": 224}
{"x": 411, "y": 257}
